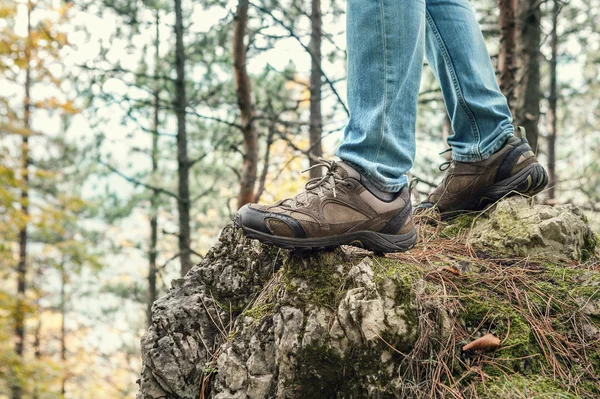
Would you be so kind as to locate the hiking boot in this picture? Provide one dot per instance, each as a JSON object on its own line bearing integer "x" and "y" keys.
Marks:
{"x": 336, "y": 209}
{"x": 471, "y": 186}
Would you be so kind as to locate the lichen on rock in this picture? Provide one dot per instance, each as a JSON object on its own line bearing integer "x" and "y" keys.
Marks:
{"x": 190, "y": 322}
{"x": 347, "y": 324}
{"x": 515, "y": 226}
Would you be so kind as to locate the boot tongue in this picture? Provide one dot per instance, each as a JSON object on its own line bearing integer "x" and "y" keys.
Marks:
{"x": 344, "y": 170}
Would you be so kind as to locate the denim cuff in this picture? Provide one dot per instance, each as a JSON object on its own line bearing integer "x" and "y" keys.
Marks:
{"x": 388, "y": 188}
{"x": 495, "y": 147}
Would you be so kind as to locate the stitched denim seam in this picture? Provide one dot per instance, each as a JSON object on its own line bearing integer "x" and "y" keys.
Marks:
{"x": 381, "y": 2}
{"x": 458, "y": 91}
{"x": 500, "y": 142}
{"x": 391, "y": 188}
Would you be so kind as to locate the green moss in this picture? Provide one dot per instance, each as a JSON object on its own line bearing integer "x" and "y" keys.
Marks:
{"x": 487, "y": 301}
{"x": 520, "y": 386}
{"x": 404, "y": 273}
{"x": 595, "y": 359}
{"x": 488, "y": 313}
{"x": 590, "y": 247}
{"x": 232, "y": 336}
{"x": 506, "y": 222}
{"x": 321, "y": 373}
{"x": 458, "y": 225}
{"x": 318, "y": 272}
{"x": 271, "y": 253}
{"x": 260, "y": 311}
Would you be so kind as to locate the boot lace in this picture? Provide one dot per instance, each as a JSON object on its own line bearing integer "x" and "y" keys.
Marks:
{"x": 316, "y": 185}
{"x": 445, "y": 165}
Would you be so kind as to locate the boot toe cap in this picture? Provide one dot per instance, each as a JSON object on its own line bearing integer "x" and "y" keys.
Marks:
{"x": 256, "y": 219}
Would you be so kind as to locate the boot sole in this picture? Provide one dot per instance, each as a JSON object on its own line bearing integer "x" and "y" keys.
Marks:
{"x": 528, "y": 182}
{"x": 369, "y": 240}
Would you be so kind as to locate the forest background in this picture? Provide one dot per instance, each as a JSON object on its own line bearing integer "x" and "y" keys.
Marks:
{"x": 132, "y": 130}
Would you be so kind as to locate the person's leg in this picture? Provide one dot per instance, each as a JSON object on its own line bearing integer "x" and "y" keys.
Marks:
{"x": 386, "y": 40}
{"x": 363, "y": 199}
{"x": 457, "y": 53}
{"x": 488, "y": 162}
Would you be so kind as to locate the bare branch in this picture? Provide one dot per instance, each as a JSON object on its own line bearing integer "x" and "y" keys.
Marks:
{"x": 297, "y": 38}
{"x": 137, "y": 182}
{"x": 265, "y": 170}
{"x": 214, "y": 118}
{"x": 125, "y": 71}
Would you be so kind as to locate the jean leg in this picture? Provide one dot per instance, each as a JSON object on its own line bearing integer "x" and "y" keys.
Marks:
{"x": 386, "y": 45}
{"x": 457, "y": 53}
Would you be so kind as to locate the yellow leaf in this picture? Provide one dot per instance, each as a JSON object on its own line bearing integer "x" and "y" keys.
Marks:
{"x": 8, "y": 10}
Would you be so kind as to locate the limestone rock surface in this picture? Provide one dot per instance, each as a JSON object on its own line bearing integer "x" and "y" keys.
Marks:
{"x": 188, "y": 323}
{"x": 255, "y": 322}
{"x": 515, "y": 226}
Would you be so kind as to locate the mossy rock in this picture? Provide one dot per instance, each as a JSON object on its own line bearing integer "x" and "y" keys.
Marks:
{"x": 514, "y": 226}
{"x": 390, "y": 327}
{"x": 348, "y": 324}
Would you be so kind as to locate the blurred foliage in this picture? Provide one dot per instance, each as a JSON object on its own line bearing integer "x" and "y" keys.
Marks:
{"x": 94, "y": 74}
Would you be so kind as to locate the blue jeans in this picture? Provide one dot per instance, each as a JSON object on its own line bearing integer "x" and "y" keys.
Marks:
{"x": 387, "y": 40}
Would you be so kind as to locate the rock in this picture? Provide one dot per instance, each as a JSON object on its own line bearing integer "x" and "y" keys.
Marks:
{"x": 344, "y": 325}
{"x": 516, "y": 227}
{"x": 293, "y": 332}
{"x": 192, "y": 317}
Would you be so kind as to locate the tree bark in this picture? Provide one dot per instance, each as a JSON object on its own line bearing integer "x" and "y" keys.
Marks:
{"x": 183, "y": 164}
{"x": 152, "y": 251}
{"x": 266, "y": 159}
{"x": 316, "y": 121}
{"x": 528, "y": 93}
{"x": 508, "y": 47}
{"x": 37, "y": 334}
{"x": 446, "y": 133}
{"x": 552, "y": 103}
{"x": 244, "y": 97}
{"x": 16, "y": 389}
{"x": 63, "y": 328}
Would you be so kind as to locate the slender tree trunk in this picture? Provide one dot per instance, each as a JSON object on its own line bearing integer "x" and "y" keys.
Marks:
{"x": 552, "y": 103}
{"x": 37, "y": 334}
{"x": 183, "y": 164}
{"x": 152, "y": 251}
{"x": 316, "y": 122}
{"x": 263, "y": 176}
{"x": 528, "y": 93}
{"x": 244, "y": 97}
{"x": 447, "y": 132}
{"x": 16, "y": 389}
{"x": 63, "y": 328}
{"x": 508, "y": 47}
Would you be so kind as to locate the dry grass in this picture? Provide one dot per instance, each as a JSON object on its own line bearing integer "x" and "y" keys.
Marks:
{"x": 437, "y": 368}
{"x": 457, "y": 276}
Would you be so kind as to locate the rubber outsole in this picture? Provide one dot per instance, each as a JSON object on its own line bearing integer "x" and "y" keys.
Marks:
{"x": 528, "y": 182}
{"x": 369, "y": 240}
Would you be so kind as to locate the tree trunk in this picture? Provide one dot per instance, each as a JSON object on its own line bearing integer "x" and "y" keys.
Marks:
{"x": 37, "y": 334}
{"x": 152, "y": 251}
{"x": 316, "y": 122}
{"x": 183, "y": 165}
{"x": 446, "y": 133}
{"x": 16, "y": 389}
{"x": 244, "y": 97}
{"x": 528, "y": 93}
{"x": 552, "y": 103}
{"x": 63, "y": 328}
{"x": 263, "y": 176}
{"x": 508, "y": 46}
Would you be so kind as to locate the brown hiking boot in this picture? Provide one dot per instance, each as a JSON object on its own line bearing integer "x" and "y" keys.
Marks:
{"x": 336, "y": 209}
{"x": 471, "y": 186}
